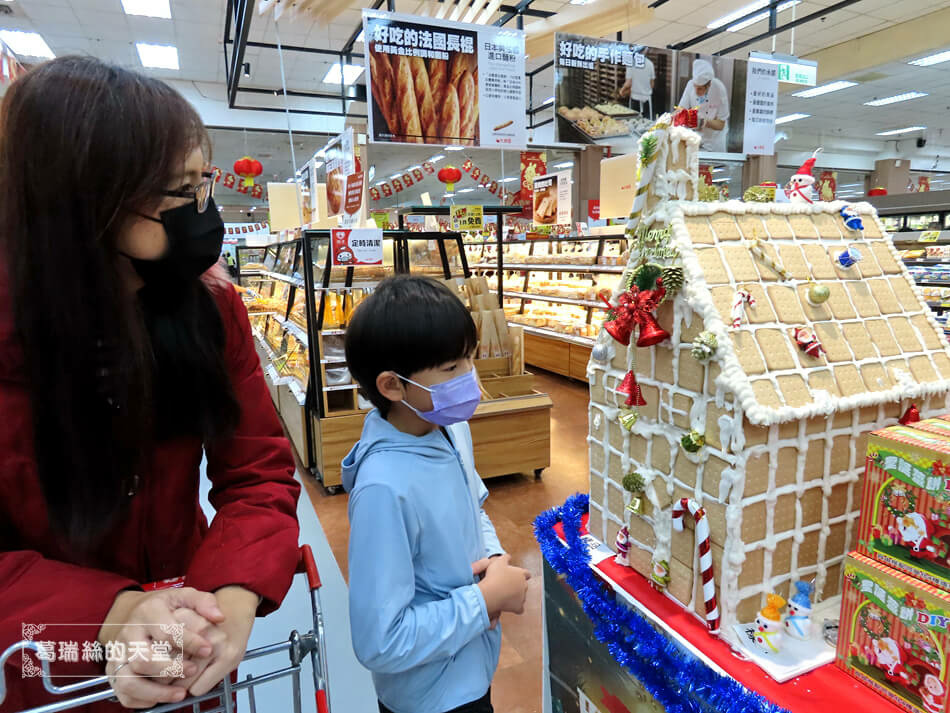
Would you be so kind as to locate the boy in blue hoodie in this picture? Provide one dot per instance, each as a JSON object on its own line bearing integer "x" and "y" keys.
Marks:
{"x": 428, "y": 577}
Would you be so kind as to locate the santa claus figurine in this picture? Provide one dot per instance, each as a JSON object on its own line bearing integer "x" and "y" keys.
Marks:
{"x": 801, "y": 187}
{"x": 932, "y": 694}
{"x": 916, "y": 533}
{"x": 768, "y": 625}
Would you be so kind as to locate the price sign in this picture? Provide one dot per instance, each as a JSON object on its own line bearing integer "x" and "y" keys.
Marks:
{"x": 357, "y": 246}
{"x": 467, "y": 217}
{"x": 929, "y": 236}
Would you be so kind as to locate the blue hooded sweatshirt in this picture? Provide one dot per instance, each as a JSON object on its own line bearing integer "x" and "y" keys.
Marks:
{"x": 417, "y": 617}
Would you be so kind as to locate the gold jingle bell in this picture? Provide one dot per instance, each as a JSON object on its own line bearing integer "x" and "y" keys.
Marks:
{"x": 637, "y": 504}
{"x": 628, "y": 417}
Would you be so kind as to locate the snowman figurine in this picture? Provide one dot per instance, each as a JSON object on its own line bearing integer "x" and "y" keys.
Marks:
{"x": 798, "y": 616}
{"x": 768, "y": 626}
{"x": 801, "y": 187}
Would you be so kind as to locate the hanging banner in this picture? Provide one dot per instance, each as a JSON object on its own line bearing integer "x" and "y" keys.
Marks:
{"x": 439, "y": 82}
{"x": 229, "y": 180}
{"x": 363, "y": 246}
{"x": 923, "y": 184}
{"x": 552, "y": 199}
{"x": 761, "y": 102}
{"x": 387, "y": 189}
{"x": 341, "y": 168}
{"x": 10, "y": 67}
{"x": 533, "y": 164}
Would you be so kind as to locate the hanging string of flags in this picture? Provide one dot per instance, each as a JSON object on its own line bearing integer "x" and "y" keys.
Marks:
{"x": 229, "y": 180}
{"x": 387, "y": 189}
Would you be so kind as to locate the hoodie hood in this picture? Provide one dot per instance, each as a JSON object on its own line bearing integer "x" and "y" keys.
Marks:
{"x": 379, "y": 435}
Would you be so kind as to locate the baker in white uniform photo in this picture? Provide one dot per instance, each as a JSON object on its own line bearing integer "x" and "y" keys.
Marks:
{"x": 712, "y": 98}
{"x": 640, "y": 80}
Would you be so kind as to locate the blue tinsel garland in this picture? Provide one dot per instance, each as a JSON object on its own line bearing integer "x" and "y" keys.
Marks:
{"x": 673, "y": 676}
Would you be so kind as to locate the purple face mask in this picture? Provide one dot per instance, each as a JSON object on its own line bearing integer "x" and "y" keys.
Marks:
{"x": 453, "y": 401}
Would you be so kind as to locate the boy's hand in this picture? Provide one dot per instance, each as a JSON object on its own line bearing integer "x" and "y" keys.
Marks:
{"x": 504, "y": 587}
{"x": 478, "y": 569}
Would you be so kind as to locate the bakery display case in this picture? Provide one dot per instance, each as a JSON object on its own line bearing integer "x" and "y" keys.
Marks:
{"x": 300, "y": 305}
{"x": 551, "y": 287}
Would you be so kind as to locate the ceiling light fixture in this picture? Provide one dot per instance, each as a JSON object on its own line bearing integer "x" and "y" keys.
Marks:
{"x": 148, "y": 8}
{"x": 906, "y": 130}
{"x": 436, "y": 158}
{"x": 732, "y": 17}
{"x": 26, "y": 44}
{"x": 790, "y": 117}
{"x": 157, "y": 56}
{"x": 454, "y": 148}
{"x": 896, "y": 98}
{"x": 466, "y": 190}
{"x": 350, "y": 73}
{"x": 932, "y": 59}
{"x": 563, "y": 164}
{"x": 509, "y": 179}
{"x": 825, "y": 89}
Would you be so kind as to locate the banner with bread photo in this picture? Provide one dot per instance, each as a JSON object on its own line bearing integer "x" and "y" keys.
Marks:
{"x": 439, "y": 82}
{"x": 340, "y": 164}
{"x": 552, "y": 199}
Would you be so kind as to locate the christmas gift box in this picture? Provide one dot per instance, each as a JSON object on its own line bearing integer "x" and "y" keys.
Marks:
{"x": 893, "y": 635}
{"x": 938, "y": 426}
{"x": 905, "y": 510}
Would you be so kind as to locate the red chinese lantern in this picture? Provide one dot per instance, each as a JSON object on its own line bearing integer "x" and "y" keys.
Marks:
{"x": 449, "y": 175}
{"x": 878, "y": 191}
{"x": 247, "y": 168}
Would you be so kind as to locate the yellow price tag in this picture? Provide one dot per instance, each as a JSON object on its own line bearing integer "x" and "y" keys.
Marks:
{"x": 929, "y": 236}
{"x": 467, "y": 217}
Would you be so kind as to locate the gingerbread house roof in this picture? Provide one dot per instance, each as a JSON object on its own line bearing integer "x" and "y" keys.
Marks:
{"x": 881, "y": 341}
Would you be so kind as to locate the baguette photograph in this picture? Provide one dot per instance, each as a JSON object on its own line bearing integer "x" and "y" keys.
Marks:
{"x": 424, "y": 100}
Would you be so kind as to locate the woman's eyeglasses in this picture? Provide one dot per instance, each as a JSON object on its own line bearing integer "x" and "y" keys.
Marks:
{"x": 204, "y": 191}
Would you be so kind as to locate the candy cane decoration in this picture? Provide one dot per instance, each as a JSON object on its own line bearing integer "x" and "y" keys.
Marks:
{"x": 755, "y": 247}
{"x": 705, "y": 556}
{"x": 623, "y": 546}
{"x": 739, "y": 301}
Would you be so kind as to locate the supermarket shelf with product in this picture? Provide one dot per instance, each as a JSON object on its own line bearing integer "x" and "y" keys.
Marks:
{"x": 551, "y": 287}
{"x": 926, "y": 253}
{"x": 300, "y": 321}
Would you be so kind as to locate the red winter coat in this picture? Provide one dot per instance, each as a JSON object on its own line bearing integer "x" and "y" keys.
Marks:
{"x": 252, "y": 540}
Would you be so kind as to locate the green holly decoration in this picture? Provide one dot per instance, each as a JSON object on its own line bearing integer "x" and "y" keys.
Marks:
{"x": 648, "y": 145}
{"x": 645, "y": 276}
{"x": 704, "y": 346}
{"x": 888, "y": 496}
{"x": 634, "y": 482}
{"x": 874, "y": 622}
{"x": 673, "y": 279}
{"x": 756, "y": 194}
{"x": 693, "y": 441}
{"x": 708, "y": 194}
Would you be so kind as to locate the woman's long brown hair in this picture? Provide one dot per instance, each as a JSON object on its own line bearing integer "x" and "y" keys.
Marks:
{"x": 83, "y": 145}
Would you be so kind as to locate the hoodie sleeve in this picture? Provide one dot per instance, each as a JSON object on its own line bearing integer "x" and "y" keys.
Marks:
{"x": 390, "y": 634}
{"x": 492, "y": 543}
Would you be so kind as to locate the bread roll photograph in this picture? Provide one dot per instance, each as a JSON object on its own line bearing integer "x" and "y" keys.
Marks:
{"x": 423, "y": 99}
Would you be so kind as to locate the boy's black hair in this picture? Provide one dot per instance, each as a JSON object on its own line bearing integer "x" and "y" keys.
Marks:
{"x": 408, "y": 324}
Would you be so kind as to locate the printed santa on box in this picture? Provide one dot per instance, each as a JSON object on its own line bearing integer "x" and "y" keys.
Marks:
{"x": 905, "y": 510}
{"x": 893, "y": 635}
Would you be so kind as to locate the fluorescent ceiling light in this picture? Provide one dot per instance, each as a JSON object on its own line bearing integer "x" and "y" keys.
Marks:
{"x": 896, "y": 98}
{"x": 454, "y": 148}
{"x": 732, "y": 17}
{"x": 509, "y": 179}
{"x": 436, "y": 158}
{"x": 466, "y": 190}
{"x": 932, "y": 59}
{"x": 351, "y": 72}
{"x": 26, "y": 44}
{"x": 825, "y": 89}
{"x": 158, "y": 56}
{"x": 720, "y": 180}
{"x": 563, "y": 164}
{"x": 148, "y": 8}
{"x": 398, "y": 175}
{"x": 413, "y": 168}
{"x": 895, "y": 132}
{"x": 447, "y": 195}
{"x": 790, "y": 117}
{"x": 549, "y": 100}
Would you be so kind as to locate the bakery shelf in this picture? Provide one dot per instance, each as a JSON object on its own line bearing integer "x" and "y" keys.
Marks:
{"x": 299, "y": 334}
{"x": 548, "y": 298}
{"x": 594, "y": 269}
{"x": 544, "y": 332}
{"x": 295, "y": 281}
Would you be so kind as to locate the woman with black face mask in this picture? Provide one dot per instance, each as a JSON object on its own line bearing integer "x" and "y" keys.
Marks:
{"x": 122, "y": 362}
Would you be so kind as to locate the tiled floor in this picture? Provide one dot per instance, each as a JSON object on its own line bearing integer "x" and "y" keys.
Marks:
{"x": 512, "y": 506}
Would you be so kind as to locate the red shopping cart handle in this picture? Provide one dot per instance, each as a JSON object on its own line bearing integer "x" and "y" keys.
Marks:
{"x": 307, "y": 564}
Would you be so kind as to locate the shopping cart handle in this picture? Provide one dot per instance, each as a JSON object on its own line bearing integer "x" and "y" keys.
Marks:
{"x": 307, "y": 564}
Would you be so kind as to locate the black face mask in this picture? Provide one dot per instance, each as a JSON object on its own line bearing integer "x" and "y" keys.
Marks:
{"x": 194, "y": 245}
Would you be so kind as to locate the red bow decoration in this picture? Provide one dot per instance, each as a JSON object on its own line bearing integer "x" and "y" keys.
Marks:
{"x": 686, "y": 117}
{"x": 631, "y": 388}
{"x": 808, "y": 342}
{"x": 911, "y": 415}
{"x": 635, "y": 308}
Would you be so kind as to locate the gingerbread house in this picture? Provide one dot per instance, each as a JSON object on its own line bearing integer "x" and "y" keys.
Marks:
{"x": 783, "y": 431}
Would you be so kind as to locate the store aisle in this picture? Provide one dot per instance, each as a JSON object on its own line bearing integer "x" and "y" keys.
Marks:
{"x": 512, "y": 505}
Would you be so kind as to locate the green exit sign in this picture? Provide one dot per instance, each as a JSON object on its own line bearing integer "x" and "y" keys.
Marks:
{"x": 791, "y": 70}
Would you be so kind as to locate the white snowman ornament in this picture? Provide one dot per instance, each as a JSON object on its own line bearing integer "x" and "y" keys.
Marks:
{"x": 801, "y": 187}
{"x": 768, "y": 626}
{"x": 798, "y": 616}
